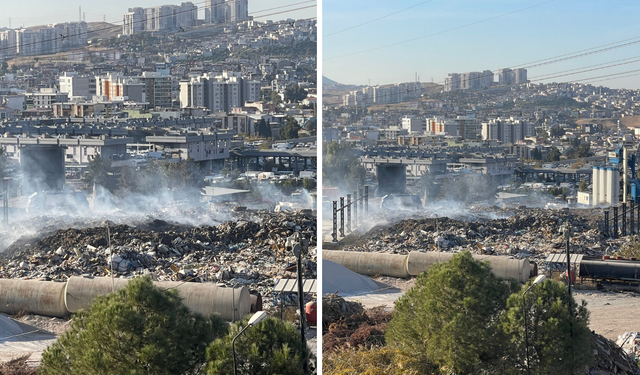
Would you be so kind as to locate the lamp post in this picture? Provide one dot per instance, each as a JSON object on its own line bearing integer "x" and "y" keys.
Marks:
{"x": 538, "y": 280}
{"x": 255, "y": 319}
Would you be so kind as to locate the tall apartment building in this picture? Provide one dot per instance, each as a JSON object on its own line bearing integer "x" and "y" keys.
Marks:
{"x": 218, "y": 93}
{"x": 520, "y": 76}
{"x": 413, "y": 125}
{"x": 512, "y": 77}
{"x": 452, "y": 82}
{"x": 507, "y": 130}
{"x": 77, "y": 86}
{"x": 152, "y": 87}
{"x": 134, "y": 21}
{"x": 221, "y": 11}
{"x": 51, "y": 39}
{"x": 467, "y": 127}
{"x": 159, "y": 18}
{"x": 468, "y": 81}
{"x": 214, "y": 11}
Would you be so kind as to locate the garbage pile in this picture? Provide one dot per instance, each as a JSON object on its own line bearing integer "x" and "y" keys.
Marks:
{"x": 347, "y": 324}
{"x": 630, "y": 343}
{"x": 249, "y": 251}
{"x": 610, "y": 358}
{"x": 529, "y": 232}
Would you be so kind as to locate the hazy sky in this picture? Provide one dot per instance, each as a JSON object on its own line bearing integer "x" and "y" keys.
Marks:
{"x": 438, "y": 37}
{"x": 39, "y": 12}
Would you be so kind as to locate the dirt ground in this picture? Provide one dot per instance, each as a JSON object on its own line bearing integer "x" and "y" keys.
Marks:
{"x": 611, "y": 313}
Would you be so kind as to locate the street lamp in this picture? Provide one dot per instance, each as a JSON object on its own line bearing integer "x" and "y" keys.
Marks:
{"x": 255, "y": 319}
{"x": 537, "y": 281}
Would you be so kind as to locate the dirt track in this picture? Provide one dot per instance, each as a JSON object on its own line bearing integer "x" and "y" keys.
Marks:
{"x": 612, "y": 314}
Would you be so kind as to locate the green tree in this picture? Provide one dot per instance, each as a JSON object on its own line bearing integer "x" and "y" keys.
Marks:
{"x": 341, "y": 166}
{"x": 290, "y": 129}
{"x": 554, "y": 154}
{"x": 276, "y": 98}
{"x": 583, "y": 186}
{"x": 559, "y": 341}
{"x": 270, "y": 347}
{"x": 294, "y": 94}
{"x": 451, "y": 315}
{"x": 98, "y": 173}
{"x": 309, "y": 184}
{"x": 263, "y": 129}
{"x": 140, "y": 329}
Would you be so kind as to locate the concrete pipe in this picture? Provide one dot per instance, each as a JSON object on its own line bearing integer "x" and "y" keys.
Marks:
{"x": 203, "y": 298}
{"x": 501, "y": 266}
{"x": 508, "y": 268}
{"x": 418, "y": 262}
{"x": 32, "y": 296}
{"x": 370, "y": 263}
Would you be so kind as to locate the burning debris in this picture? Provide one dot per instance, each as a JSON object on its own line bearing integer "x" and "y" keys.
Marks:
{"x": 528, "y": 233}
{"x": 249, "y": 251}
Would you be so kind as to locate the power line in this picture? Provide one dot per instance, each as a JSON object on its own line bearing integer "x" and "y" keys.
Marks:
{"x": 376, "y": 19}
{"x": 440, "y": 32}
{"x": 284, "y": 6}
{"x": 568, "y": 56}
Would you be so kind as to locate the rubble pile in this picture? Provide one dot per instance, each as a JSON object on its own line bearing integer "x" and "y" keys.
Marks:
{"x": 249, "y": 251}
{"x": 630, "y": 343}
{"x": 530, "y": 232}
{"x": 610, "y": 358}
{"x": 347, "y": 324}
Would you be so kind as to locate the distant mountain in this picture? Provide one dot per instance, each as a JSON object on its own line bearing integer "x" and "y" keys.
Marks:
{"x": 327, "y": 81}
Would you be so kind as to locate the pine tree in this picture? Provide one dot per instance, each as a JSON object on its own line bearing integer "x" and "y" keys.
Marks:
{"x": 140, "y": 329}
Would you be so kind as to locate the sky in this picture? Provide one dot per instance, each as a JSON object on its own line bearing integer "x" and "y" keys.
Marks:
{"x": 40, "y": 12}
{"x": 437, "y": 37}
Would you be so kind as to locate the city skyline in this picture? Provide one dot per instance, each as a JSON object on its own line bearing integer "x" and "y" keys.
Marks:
{"x": 461, "y": 36}
{"x": 22, "y": 14}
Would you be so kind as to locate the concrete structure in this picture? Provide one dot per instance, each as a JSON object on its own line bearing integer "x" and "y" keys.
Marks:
{"x": 50, "y": 298}
{"x": 45, "y": 98}
{"x": 77, "y": 86}
{"x": 413, "y": 125}
{"x": 414, "y": 166}
{"x": 606, "y": 185}
{"x": 159, "y": 18}
{"x": 415, "y": 263}
{"x": 79, "y": 150}
{"x": 509, "y": 130}
{"x": 219, "y": 93}
{"x": 202, "y": 148}
{"x": 491, "y": 165}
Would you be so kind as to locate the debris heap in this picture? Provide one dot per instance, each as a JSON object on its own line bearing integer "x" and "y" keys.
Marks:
{"x": 249, "y": 251}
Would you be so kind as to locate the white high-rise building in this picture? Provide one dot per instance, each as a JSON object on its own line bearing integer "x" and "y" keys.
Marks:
{"x": 134, "y": 21}
{"x": 218, "y": 93}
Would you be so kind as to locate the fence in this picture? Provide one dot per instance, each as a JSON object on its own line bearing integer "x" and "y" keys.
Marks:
{"x": 621, "y": 220}
{"x": 359, "y": 203}
{"x": 5, "y": 200}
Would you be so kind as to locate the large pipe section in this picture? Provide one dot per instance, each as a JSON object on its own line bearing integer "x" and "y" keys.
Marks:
{"x": 417, "y": 262}
{"x": 371, "y": 264}
{"x": 61, "y": 299}
{"x": 32, "y": 296}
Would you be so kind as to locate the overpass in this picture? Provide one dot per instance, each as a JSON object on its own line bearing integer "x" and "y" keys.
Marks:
{"x": 295, "y": 160}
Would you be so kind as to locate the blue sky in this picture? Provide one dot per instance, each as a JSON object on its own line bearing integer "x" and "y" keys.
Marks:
{"x": 39, "y": 12}
{"x": 457, "y": 36}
